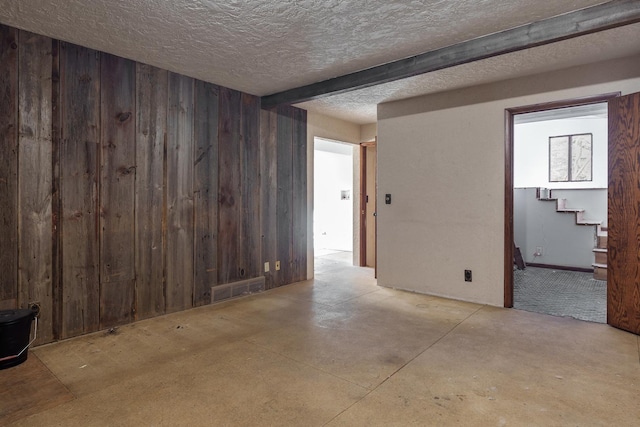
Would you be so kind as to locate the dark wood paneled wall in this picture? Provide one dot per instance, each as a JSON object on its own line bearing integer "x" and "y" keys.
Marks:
{"x": 79, "y": 167}
{"x": 127, "y": 191}
{"x": 206, "y": 191}
{"x": 35, "y": 176}
{"x": 8, "y": 167}
{"x": 284, "y": 194}
{"x": 150, "y": 234}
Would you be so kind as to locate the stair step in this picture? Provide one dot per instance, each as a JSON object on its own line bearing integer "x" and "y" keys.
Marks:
{"x": 599, "y": 271}
{"x": 602, "y": 241}
{"x": 601, "y": 257}
{"x": 588, "y": 222}
{"x": 544, "y": 194}
{"x": 561, "y": 207}
{"x": 569, "y": 210}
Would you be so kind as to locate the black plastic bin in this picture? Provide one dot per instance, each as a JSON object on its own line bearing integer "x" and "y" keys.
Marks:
{"x": 15, "y": 330}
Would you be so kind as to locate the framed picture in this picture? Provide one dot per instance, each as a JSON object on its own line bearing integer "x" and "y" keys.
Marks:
{"x": 570, "y": 158}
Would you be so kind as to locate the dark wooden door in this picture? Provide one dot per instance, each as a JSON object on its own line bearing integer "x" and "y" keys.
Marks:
{"x": 368, "y": 205}
{"x": 371, "y": 206}
{"x": 623, "y": 271}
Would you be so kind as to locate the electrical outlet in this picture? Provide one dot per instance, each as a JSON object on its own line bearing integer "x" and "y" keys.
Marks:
{"x": 277, "y": 265}
{"x": 266, "y": 267}
{"x": 35, "y": 307}
{"x": 467, "y": 275}
{"x": 538, "y": 251}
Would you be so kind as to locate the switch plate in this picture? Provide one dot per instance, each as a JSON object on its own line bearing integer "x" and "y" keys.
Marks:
{"x": 277, "y": 265}
{"x": 266, "y": 267}
{"x": 467, "y": 276}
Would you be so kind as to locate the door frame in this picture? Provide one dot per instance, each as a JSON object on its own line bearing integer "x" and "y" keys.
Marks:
{"x": 363, "y": 205}
{"x": 509, "y": 114}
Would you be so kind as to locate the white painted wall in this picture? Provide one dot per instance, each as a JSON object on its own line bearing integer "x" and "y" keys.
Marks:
{"x": 531, "y": 151}
{"x": 332, "y": 216}
{"x": 537, "y": 224}
{"x": 368, "y": 132}
{"x": 442, "y": 158}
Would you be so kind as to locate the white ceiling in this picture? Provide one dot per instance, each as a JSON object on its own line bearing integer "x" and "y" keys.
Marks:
{"x": 266, "y": 46}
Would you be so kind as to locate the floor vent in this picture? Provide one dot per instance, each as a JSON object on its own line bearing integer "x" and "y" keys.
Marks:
{"x": 237, "y": 289}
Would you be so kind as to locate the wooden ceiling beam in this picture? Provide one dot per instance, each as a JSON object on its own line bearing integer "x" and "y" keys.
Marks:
{"x": 601, "y": 17}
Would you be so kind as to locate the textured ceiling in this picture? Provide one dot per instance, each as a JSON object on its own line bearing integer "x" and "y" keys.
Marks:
{"x": 266, "y": 46}
{"x": 361, "y": 106}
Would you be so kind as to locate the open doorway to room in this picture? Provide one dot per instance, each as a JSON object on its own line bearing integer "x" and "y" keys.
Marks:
{"x": 333, "y": 218}
{"x": 560, "y": 210}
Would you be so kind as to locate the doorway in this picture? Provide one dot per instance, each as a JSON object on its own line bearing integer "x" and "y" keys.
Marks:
{"x": 520, "y": 184}
{"x": 333, "y": 200}
{"x": 560, "y": 211}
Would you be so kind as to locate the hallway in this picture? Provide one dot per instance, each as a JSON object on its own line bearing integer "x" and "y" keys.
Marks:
{"x": 337, "y": 350}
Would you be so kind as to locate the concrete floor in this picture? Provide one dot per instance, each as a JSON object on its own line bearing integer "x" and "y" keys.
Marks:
{"x": 340, "y": 351}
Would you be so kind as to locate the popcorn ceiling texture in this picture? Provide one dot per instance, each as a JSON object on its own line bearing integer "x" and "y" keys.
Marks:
{"x": 266, "y": 46}
{"x": 360, "y": 106}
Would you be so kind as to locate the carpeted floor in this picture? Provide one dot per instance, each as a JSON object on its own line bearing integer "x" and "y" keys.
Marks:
{"x": 561, "y": 293}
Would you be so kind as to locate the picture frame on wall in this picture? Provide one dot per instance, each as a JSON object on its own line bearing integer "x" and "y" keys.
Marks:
{"x": 571, "y": 158}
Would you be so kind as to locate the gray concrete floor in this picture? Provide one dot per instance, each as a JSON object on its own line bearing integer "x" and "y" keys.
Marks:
{"x": 340, "y": 351}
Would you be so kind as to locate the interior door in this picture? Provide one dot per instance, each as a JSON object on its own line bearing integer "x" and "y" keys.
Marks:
{"x": 368, "y": 204}
{"x": 623, "y": 263}
{"x": 372, "y": 160}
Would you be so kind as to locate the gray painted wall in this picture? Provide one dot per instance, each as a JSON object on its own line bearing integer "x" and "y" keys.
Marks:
{"x": 537, "y": 224}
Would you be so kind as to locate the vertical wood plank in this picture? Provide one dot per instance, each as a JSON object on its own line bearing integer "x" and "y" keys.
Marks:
{"x": 623, "y": 268}
{"x": 117, "y": 190}
{"x": 8, "y": 167}
{"x": 285, "y": 194}
{"x": 205, "y": 191}
{"x": 56, "y": 132}
{"x": 299, "y": 173}
{"x": 35, "y": 178}
{"x": 151, "y": 121}
{"x": 80, "y": 120}
{"x": 229, "y": 182}
{"x": 250, "y": 246}
{"x": 180, "y": 226}
{"x": 269, "y": 192}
